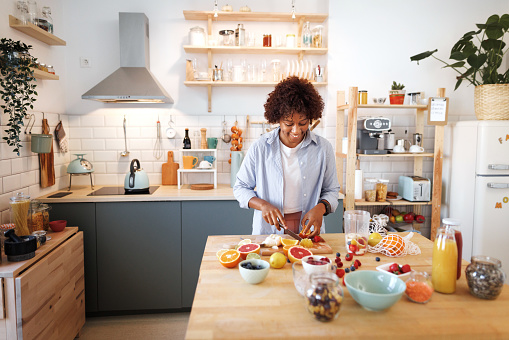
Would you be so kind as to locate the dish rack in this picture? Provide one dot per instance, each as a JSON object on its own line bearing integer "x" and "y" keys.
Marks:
{"x": 200, "y": 153}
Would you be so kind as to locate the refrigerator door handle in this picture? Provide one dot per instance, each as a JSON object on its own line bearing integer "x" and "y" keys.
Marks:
{"x": 498, "y": 166}
{"x": 498, "y": 185}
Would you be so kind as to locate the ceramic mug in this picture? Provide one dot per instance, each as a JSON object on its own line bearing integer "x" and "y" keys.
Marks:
{"x": 205, "y": 165}
{"x": 416, "y": 148}
{"x": 210, "y": 159}
{"x": 398, "y": 149}
{"x": 212, "y": 143}
{"x": 189, "y": 161}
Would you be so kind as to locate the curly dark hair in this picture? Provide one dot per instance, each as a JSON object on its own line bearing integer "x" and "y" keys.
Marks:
{"x": 293, "y": 95}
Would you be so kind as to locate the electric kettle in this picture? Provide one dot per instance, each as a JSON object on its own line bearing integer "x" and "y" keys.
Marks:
{"x": 136, "y": 181}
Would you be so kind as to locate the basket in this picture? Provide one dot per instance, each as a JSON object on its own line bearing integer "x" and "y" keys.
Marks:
{"x": 491, "y": 102}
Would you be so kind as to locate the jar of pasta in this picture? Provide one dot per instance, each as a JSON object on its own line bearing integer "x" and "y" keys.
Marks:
{"x": 21, "y": 214}
{"x": 381, "y": 190}
{"x": 370, "y": 189}
{"x": 37, "y": 217}
{"x": 44, "y": 208}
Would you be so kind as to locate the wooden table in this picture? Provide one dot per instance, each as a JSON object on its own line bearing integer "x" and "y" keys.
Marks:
{"x": 226, "y": 307}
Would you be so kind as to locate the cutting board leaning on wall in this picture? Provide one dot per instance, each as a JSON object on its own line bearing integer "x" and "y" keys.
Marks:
{"x": 47, "y": 162}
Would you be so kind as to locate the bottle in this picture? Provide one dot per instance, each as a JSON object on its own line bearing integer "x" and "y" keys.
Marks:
{"x": 240, "y": 35}
{"x": 187, "y": 140}
{"x": 455, "y": 225}
{"x": 445, "y": 260}
{"x": 47, "y": 20}
{"x": 306, "y": 35}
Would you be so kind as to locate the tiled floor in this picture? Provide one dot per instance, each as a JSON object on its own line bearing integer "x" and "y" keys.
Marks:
{"x": 147, "y": 326}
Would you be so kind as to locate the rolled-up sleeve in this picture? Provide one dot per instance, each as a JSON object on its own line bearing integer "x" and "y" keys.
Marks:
{"x": 243, "y": 190}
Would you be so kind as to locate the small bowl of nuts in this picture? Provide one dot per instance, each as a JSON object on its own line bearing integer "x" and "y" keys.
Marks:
{"x": 316, "y": 264}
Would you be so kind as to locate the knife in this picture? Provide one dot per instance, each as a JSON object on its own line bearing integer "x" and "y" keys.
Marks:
{"x": 289, "y": 232}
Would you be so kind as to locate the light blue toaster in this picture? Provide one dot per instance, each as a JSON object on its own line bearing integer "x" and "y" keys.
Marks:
{"x": 414, "y": 188}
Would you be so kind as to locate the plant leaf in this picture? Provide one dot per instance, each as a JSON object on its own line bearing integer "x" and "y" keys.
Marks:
{"x": 493, "y": 19}
{"x": 457, "y": 55}
{"x": 494, "y": 31}
{"x": 504, "y": 21}
{"x": 458, "y": 83}
{"x": 493, "y": 44}
{"x": 422, "y": 55}
{"x": 477, "y": 61}
{"x": 456, "y": 64}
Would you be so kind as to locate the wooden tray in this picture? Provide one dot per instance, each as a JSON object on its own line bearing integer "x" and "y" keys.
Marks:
{"x": 202, "y": 186}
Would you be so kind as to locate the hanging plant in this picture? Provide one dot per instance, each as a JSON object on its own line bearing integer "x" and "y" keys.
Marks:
{"x": 17, "y": 87}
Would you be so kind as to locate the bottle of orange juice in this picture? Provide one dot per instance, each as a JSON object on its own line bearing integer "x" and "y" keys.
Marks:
{"x": 445, "y": 260}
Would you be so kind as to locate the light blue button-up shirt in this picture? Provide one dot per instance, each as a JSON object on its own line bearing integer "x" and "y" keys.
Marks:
{"x": 262, "y": 169}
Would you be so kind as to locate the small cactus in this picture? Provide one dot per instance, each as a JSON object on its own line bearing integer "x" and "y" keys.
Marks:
{"x": 396, "y": 86}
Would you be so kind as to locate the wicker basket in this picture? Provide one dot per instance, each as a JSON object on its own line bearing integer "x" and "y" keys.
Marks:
{"x": 492, "y": 102}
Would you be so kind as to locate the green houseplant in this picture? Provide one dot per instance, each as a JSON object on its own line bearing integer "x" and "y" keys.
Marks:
{"x": 477, "y": 58}
{"x": 17, "y": 87}
{"x": 397, "y": 94}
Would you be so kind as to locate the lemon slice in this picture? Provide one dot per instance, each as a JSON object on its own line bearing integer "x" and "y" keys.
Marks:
{"x": 253, "y": 256}
{"x": 244, "y": 241}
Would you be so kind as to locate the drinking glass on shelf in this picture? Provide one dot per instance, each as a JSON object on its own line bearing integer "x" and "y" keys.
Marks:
{"x": 229, "y": 68}
{"x": 251, "y": 40}
{"x": 32, "y": 12}
{"x": 22, "y": 11}
{"x": 263, "y": 69}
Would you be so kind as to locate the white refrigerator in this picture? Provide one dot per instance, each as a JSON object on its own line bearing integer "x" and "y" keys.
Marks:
{"x": 478, "y": 192}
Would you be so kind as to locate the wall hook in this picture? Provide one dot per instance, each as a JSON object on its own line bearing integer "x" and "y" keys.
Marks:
{"x": 30, "y": 124}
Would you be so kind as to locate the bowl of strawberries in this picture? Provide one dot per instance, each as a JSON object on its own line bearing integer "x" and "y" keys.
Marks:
{"x": 393, "y": 268}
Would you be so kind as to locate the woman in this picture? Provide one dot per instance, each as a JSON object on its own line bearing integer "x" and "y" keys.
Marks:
{"x": 292, "y": 169}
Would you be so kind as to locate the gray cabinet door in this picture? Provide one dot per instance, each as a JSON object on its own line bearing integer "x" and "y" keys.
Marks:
{"x": 199, "y": 220}
{"x": 138, "y": 255}
{"x": 334, "y": 221}
{"x": 82, "y": 215}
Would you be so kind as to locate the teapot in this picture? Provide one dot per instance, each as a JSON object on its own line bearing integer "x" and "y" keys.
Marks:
{"x": 136, "y": 180}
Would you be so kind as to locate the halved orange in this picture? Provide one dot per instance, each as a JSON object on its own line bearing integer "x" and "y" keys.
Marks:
{"x": 296, "y": 253}
{"x": 230, "y": 258}
{"x": 289, "y": 242}
{"x": 221, "y": 252}
{"x": 285, "y": 249}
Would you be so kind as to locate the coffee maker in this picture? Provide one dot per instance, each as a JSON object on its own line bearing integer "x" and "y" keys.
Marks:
{"x": 369, "y": 132}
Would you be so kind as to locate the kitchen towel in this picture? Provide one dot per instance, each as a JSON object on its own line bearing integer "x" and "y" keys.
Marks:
{"x": 63, "y": 144}
{"x": 358, "y": 185}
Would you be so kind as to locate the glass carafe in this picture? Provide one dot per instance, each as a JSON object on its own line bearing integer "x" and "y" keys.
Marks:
{"x": 445, "y": 260}
{"x": 21, "y": 215}
{"x": 324, "y": 296}
{"x": 306, "y": 35}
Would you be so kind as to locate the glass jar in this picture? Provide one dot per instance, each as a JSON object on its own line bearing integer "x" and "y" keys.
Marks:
{"x": 51, "y": 69}
{"x": 267, "y": 40}
{"x": 485, "y": 277}
{"x": 32, "y": 11}
{"x": 276, "y": 70}
{"x": 21, "y": 215}
{"x": 197, "y": 36}
{"x": 36, "y": 217}
{"x": 290, "y": 40}
{"x": 22, "y": 11}
{"x": 46, "y": 22}
{"x": 381, "y": 190}
{"x": 317, "y": 36}
{"x": 227, "y": 37}
{"x": 363, "y": 97}
{"x": 324, "y": 296}
{"x": 306, "y": 35}
{"x": 240, "y": 35}
{"x": 370, "y": 189}
{"x": 419, "y": 287}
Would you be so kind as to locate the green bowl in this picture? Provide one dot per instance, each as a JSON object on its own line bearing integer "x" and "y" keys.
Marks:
{"x": 374, "y": 290}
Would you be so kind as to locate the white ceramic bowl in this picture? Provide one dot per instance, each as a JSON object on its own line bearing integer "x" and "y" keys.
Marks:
{"x": 254, "y": 276}
{"x": 385, "y": 268}
{"x": 315, "y": 268}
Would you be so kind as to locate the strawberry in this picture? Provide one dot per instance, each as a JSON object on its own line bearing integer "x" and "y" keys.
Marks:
{"x": 394, "y": 267}
{"x": 349, "y": 257}
{"x": 318, "y": 238}
{"x": 339, "y": 264}
{"x": 356, "y": 265}
{"x": 353, "y": 248}
{"x": 406, "y": 268}
{"x": 358, "y": 262}
{"x": 340, "y": 273}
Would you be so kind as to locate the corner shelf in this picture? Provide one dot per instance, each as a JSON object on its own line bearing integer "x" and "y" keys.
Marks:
{"x": 35, "y": 32}
{"x": 182, "y": 171}
{"x": 39, "y": 74}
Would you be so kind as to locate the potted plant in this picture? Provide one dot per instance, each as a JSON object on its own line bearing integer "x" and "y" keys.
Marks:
{"x": 17, "y": 88}
{"x": 397, "y": 94}
{"x": 478, "y": 62}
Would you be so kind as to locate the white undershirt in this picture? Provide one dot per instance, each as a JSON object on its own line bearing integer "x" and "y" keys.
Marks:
{"x": 292, "y": 181}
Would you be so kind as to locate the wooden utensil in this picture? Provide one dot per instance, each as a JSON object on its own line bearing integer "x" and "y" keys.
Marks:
{"x": 203, "y": 138}
{"x": 46, "y": 162}
{"x": 169, "y": 171}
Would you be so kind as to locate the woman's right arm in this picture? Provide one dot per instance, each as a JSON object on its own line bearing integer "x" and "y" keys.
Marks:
{"x": 270, "y": 213}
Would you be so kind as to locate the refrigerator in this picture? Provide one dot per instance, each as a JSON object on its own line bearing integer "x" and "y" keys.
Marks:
{"x": 478, "y": 194}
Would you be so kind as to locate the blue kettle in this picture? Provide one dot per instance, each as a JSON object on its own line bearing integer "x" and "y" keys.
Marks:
{"x": 136, "y": 180}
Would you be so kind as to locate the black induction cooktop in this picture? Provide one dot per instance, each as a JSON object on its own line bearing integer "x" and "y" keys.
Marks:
{"x": 121, "y": 191}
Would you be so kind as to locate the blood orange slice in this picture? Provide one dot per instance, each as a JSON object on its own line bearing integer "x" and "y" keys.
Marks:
{"x": 296, "y": 253}
{"x": 247, "y": 249}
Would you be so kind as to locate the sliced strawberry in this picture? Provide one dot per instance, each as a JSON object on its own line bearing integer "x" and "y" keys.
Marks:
{"x": 356, "y": 265}
{"x": 406, "y": 268}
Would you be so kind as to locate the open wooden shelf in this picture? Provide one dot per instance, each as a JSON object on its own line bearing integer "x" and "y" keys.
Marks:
{"x": 238, "y": 83}
{"x": 395, "y": 202}
{"x": 35, "y": 32}
{"x": 384, "y": 106}
{"x": 39, "y": 74}
{"x": 254, "y": 50}
{"x": 406, "y": 154}
{"x": 255, "y": 16}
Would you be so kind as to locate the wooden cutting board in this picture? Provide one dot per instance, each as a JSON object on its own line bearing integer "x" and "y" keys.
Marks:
{"x": 318, "y": 248}
{"x": 169, "y": 171}
{"x": 202, "y": 186}
{"x": 47, "y": 162}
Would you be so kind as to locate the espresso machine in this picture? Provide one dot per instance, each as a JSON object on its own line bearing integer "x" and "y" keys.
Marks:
{"x": 370, "y": 134}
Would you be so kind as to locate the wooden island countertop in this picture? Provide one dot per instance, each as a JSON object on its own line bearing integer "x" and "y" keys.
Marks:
{"x": 227, "y": 307}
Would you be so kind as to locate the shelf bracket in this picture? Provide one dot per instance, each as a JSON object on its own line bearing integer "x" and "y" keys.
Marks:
{"x": 209, "y": 92}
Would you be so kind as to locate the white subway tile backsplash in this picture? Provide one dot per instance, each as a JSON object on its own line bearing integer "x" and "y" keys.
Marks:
{"x": 92, "y": 120}
{"x": 93, "y": 144}
{"x": 19, "y": 165}
{"x": 74, "y": 145}
{"x": 11, "y": 183}
{"x": 81, "y": 132}
{"x": 74, "y": 121}
{"x": 105, "y": 132}
{"x": 140, "y": 144}
{"x": 28, "y": 178}
{"x": 5, "y": 167}
{"x": 114, "y": 145}
{"x": 104, "y": 156}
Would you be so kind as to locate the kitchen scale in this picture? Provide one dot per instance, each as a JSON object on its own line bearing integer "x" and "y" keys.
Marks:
{"x": 80, "y": 167}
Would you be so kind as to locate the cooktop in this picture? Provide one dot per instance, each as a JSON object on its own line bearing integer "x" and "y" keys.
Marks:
{"x": 121, "y": 191}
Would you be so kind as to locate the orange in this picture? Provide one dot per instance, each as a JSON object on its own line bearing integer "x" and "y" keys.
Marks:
{"x": 221, "y": 252}
{"x": 288, "y": 242}
{"x": 285, "y": 249}
{"x": 296, "y": 253}
{"x": 230, "y": 258}
{"x": 393, "y": 244}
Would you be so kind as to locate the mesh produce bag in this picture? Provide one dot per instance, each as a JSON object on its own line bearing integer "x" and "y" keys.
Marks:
{"x": 393, "y": 245}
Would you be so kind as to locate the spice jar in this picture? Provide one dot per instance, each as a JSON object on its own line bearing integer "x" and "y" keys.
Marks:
{"x": 51, "y": 69}
{"x": 324, "y": 296}
{"x": 370, "y": 189}
{"x": 21, "y": 215}
{"x": 381, "y": 190}
{"x": 485, "y": 277}
{"x": 317, "y": 36}
{"x": 363, "y": 97}
{"x": 267, "y": 40}
{"x": 419, "y": 287}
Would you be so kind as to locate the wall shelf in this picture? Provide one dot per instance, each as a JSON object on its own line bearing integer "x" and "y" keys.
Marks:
{"x": 406, "y": 154}
{"x": 238, "y": 83}
{"x": 35, "y": 32}
{"x": 254, "y": 50}
{"x": 39, "y": 74}
{"x": 254, "y": 16}
{"x": 395, "y": 202}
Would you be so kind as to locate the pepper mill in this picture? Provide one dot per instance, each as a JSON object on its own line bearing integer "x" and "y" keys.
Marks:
{"x": 203, "y": 138}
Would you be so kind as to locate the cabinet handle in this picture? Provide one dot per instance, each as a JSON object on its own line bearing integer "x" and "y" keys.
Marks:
{"x": 498, "y": 166}
{"x": 498, "y": 185}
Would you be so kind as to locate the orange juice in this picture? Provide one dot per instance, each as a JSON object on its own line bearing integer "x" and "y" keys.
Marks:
{"x": 445, "y": 261}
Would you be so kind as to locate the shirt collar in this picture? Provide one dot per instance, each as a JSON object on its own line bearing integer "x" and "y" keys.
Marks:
{"x": 274, "y": 136}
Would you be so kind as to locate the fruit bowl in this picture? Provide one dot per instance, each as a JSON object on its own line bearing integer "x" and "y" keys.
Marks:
{"x": 254, "y": 276}
{"x": 58, "y": 225}
{"x": 314, "y": 264}
{"x": 374, "y": 290}
{"x": 385, "y": 268}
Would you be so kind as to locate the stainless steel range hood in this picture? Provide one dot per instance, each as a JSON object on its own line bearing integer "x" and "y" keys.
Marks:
{"x": 132, "y": 82}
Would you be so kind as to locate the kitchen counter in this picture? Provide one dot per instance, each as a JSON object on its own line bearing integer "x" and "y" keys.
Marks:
{"x": 226, "y": 307}
{"x": 163, "y": 193}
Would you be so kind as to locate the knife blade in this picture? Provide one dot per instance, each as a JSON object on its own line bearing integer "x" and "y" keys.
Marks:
{"x": 289, "y": 232}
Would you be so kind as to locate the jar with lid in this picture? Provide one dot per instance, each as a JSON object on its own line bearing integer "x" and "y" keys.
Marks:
{"x": 381, "y": 189}
{"x": 51, "y": 69}
{"x": 43, "y": 67}
{"x": 227, "y": 37}
{"x": 306, "y": 35}
{"x": 485, "y": 277}
{"x": 197, "y": 36}
{"x": 36, "y": 217}
{"x": 324, "y": 296}
{"x": 32, "y": 11}
{"x": 267, "y": 40}
{"x": 21, "y": 214}
{"x": 45, "y": 21}
{"x": 370, "y": 189}
{"x": 445, "y": 260}
{"x": 317, "y": 36}
{"x": 290, "y": 40}
{"x": 240, "y": 35}
{"x": 363, "y": 97}
{"x": 419, "y": 287}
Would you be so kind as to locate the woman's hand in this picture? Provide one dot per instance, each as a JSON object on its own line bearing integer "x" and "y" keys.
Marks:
{"x": 270, "y": 213}
{"x": 313, "y": 218}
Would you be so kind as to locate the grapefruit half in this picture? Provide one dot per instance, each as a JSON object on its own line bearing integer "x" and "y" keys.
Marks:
{"x": 247, "y": 249}
{"x": 296, "y": 253}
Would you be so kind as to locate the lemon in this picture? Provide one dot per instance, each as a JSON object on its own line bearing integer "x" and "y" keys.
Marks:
{"x": 277, "y": 260}
{"x": 374, "y": 238}
{"x": 244, "y": 241}
{"x": 253, "y": 256}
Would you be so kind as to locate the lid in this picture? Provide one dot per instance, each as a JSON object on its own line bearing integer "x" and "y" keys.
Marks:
{"x": 370, "y": 180}
{"x": 197, "y": 28}
{"x": 50, "y": 66}
{"x": 35, "y": 204}
{"x": 290, "y": 35}
{"x": 20, "y": 197}
{"x": 363, "y": 91}
{"x": 451, "y": 221}
{"x": 42, "y": 64}
{"x": 226, "y": 32}
{"x": 383, "y": 180}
